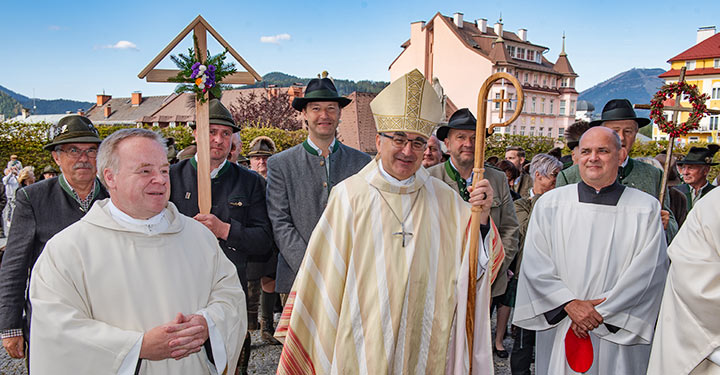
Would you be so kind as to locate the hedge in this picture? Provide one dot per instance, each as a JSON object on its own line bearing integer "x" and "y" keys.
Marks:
{"x": 27, "y": 141}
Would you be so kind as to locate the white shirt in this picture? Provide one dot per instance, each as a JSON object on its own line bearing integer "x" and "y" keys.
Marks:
{"x": 214, "y": 172}
{"x": 406, "y": 182}
{"x": 320, "y": 152}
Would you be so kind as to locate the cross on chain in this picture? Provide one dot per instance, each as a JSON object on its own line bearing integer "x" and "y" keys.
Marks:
{"x": 403, "y": 233}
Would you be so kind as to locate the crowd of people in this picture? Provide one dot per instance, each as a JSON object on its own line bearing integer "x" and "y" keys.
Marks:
{"x": 112, "y": 265}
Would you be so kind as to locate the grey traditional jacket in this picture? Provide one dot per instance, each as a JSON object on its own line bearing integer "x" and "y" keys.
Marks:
{"x": 635, "y": 174}
{"x": 685, "y": 189}
{"x": 298, "y": 186}
{"x": 502, "y": 213}
{"x": 42, "y": 210}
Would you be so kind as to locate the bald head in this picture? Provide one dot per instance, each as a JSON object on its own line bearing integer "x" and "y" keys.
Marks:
{"x": 601, "y": 153}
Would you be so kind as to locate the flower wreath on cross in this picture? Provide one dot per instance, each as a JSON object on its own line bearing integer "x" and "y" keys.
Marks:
{"x": 201, "y": 77}
{"x": 697, "y": 100}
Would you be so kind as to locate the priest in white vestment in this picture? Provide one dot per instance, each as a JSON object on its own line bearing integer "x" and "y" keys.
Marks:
{"x": 383, "y": 285}
{"x": 135, "y": 286}
{"x": 687, "y": 340}
{"x": 594, "y": 268}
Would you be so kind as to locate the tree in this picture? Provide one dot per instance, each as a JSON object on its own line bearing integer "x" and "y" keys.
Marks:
{"x": 265, "y": 108}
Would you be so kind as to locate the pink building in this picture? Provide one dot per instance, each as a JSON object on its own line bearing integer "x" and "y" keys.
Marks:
{"x": 461, "y": 55}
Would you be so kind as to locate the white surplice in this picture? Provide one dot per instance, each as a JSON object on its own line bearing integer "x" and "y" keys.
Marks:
{"x": 105, "y": 280}
{"x": 586, "y": 251}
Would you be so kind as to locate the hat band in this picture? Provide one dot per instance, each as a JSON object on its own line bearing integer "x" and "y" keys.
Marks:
{"x": 322, "y": 93}
{"x": 386, "y": 123}
{"x": 619, "y": 114}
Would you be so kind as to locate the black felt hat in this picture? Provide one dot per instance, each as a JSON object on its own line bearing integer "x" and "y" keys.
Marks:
{"x": 219, "y": 115}
{"x": 462, "y": 119}
{"x": 320, "y": 90}
{"x": 700, "y": 155}
{"x": 619, "y": 109}
{"x": 74, "y": 129}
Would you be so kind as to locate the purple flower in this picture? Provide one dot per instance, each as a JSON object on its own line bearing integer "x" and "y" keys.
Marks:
{"x": 211, "y": 68}
{"x": 195, "y": 66}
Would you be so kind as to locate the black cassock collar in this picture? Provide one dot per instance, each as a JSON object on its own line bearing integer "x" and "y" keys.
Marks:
{"x": 608, "y": 196}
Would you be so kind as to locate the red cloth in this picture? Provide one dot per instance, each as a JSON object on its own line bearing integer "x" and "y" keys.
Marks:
{"x": 578, "y": 351}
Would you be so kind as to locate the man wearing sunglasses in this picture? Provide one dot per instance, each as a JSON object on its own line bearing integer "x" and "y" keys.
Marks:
{"x": 42, "y": 210}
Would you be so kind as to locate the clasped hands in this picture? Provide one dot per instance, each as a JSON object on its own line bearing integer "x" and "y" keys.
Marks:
{"x": 584, "y": 316}
{"x": 177, "y": 339}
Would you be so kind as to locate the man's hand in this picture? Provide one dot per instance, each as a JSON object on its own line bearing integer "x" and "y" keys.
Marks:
{"x": 177, "y": 339}
{"x": 191, "y": 339}
{"x": 482, "y": 197}
{"x": 219, "y": 228}
{"x": 665, "y": 217}
{"x": 584, "y": 316}
{"x": 15, "y": 346}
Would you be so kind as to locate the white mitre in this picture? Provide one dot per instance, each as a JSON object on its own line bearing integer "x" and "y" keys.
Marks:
{"x": 409, "y": 104}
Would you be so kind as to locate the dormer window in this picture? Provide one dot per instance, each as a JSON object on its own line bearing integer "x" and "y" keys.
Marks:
{"x": 531, "y": 55}
{"x": 690, "y": 64}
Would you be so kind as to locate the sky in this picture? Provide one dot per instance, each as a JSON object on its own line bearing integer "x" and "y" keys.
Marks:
{"x": 77, "y": 49}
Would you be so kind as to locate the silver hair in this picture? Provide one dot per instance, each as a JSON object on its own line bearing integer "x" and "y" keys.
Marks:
{"x": 544, "y": 164}
{"x": 106, "y": 158}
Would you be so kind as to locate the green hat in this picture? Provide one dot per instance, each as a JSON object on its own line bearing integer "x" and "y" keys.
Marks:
{"x": 320, "y": 90}
{"x": 74, "y": 129}
{"x": 49, "y": 169}
{"x": 219, "y": 115}
{"x": 700, "y": 155}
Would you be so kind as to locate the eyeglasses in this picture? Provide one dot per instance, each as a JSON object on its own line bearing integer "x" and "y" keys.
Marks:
{"x": 77, "y": 153}
{"x": 399, "y": 141}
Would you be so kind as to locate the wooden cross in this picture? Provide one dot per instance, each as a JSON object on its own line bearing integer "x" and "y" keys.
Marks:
{"x": 200, "y": 27}
{"x": 677, "y": 109}
{"x": 502, "y": 100}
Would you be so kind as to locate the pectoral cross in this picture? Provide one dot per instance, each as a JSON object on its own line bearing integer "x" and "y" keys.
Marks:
{"x": 403, "y": 233}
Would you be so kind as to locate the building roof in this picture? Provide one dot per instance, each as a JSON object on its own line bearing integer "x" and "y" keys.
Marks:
{"x": 357, "y": 125}
{"x": 562, "y": 65}
{"x": 694, "y": 72}
{"x": 122, "y": 112}
{"x": 708, "y": 48}
{"x": 483, "y": 44}
{"x": 584, "y": 105}
{"x": 33, "y": 119}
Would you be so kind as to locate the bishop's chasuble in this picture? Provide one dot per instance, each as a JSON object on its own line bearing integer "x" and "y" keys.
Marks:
{"x": 582, "y": 244}
{"x": 687, "y": 340}
{"x": 364, "y": 304}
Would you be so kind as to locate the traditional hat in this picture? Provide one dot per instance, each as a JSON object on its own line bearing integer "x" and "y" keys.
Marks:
{"x": 219, "y": 115}
{"x": 74, "y": 129}
{"x": 409, "y": 104}
{"x": 619, "y": 109}
{"x": 462, "y": 119}
{"x": 320, "y": 90}
{"x": 49, "y": 169}
{"x": 261, "y": 146}
{"x": 700, "y": 155}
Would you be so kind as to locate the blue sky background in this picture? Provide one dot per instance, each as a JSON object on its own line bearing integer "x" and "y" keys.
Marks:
{"x": 61, "y": 49}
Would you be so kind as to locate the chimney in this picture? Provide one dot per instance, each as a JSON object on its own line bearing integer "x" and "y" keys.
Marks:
{"x": 498, "y": 28}
{"x": 482, "y": 25}
{"x": 25, "y": 112}
{"x": 522, "y": 33}
{"x": 136, "y": 98}
{"x": 102, "y": 99}
{"x": 458, "y": 18}
{"x": 704, "y": 33}
{"x": 108, "y": 111}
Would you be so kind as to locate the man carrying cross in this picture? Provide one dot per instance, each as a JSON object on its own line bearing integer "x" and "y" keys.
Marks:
{"x": 383, "y": 285}
{"x": 618, "y": 115}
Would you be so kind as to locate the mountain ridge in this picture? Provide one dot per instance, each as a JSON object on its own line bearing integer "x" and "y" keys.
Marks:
{"x": 637, "y": 85}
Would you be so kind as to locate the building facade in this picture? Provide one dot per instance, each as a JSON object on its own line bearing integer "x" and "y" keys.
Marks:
{"x": 702, "y": 64}
{"x": 461, "y": 55}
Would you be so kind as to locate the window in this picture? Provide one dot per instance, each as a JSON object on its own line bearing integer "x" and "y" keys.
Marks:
{"x": 511, "y": 50}
{"x": 532, "y": 106}
{"x": 527, "y": 77}
{"x": 531, "y": 55}
{"x": 562, "y": 108}
{"x": 554, "y": 82}
{"x": 535, "y": 79}
{"x": 715, "y": 93}
{"x": 714, "y": 120}
{"x": 538, "y": 58}
{"x": 561, "y": 132}
{"x": 510, "y": 103}
{"x": 497, "y": 97}
{"x": 522, "y": 130}
{"x": 693, "y": 139}
{"x": 690, "y": 64}
{"x": 571, "y": 82}
{"x": 541, "y": 130}
{"x": 552, "y": 105}
{"x": 563, "y": 82}
{"x": 717, "y": 64}
{"x": 542, "y": 106}
{"x": 532, "y": 130}
{"x": 520, "y": 53}
{"x": 572, "y": 107}
{"x": 544, "y": 81}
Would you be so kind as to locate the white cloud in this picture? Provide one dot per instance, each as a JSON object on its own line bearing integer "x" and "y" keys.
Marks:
{"x": 275, "y": 39}
{"x": 123, "y": 44}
